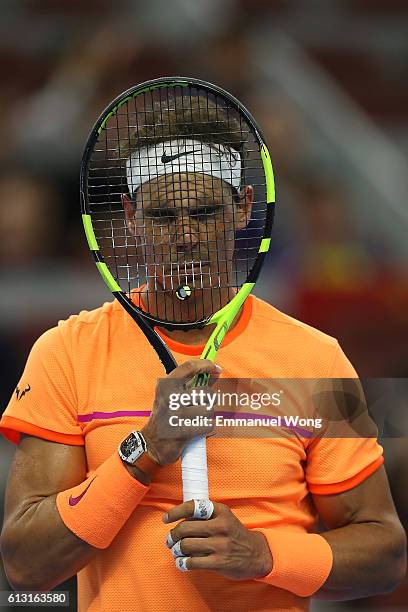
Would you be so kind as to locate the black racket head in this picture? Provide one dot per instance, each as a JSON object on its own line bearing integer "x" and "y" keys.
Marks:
{"x": 177, "y": 197}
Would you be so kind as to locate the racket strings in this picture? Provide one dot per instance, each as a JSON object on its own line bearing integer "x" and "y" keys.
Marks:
{"x": 166, "y": 236}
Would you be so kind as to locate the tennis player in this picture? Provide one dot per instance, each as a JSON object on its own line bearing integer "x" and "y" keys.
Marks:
{"x": 75, "y": 504}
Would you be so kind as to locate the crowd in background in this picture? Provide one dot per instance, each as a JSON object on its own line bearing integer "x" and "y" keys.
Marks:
{"x": 62, "y": 63}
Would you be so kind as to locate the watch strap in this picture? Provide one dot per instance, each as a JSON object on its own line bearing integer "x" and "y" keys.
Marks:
{"x": 146, "y": 464}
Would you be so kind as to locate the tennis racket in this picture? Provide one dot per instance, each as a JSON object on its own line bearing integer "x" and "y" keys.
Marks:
{"x": 177, "y": 197}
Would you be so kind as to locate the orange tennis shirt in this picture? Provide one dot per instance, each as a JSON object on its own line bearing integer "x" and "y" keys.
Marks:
{"x": 91, "y": 380}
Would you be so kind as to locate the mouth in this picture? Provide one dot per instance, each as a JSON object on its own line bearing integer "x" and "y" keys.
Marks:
{"x": 185, "y": 272}
{"x": 187, "y": 266}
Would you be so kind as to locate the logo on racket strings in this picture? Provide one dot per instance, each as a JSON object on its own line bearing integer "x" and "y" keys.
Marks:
{"x": 183, "y": 292}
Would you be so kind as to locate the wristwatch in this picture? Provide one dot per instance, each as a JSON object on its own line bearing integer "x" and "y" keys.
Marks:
{"x": 133, "y": 450}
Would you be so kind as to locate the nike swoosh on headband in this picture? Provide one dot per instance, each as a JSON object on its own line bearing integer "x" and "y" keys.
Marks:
{"x": 73, "y": 501}
{"x": 165, "y": 159}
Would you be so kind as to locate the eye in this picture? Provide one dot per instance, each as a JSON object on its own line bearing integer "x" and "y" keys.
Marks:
{"x": 160, "y": 213}
{"x": 203, "y": 212}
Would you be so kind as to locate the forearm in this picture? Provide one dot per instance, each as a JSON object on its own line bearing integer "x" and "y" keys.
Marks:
{"x": 39, "y": 551}
{"x": 368, "y": 559}
{"x": 51, "y": 539}
{"x": 357, "y": 560}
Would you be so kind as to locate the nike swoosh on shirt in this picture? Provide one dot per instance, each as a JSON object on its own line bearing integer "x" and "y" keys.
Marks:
{"x": 73, "y": 501}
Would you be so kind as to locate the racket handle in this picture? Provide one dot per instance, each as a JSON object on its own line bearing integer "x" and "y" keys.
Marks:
{"x": 201, "y": 380}
{"x": 194, "y": 469}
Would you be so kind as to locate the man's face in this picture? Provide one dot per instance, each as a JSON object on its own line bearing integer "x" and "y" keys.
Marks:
{"x": 185, "y": 225}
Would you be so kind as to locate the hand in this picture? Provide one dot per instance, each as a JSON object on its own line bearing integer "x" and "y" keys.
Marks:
{"x": 165, "y": 441}
{"x": 222, "y": 543}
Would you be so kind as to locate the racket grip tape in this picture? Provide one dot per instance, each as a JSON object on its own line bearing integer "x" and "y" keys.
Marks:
{"x": 194, "y": 469}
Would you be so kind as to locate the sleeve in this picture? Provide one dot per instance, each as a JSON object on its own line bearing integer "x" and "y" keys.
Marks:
{"x": 347, "y": 452}
{"x": 44, "y": 402}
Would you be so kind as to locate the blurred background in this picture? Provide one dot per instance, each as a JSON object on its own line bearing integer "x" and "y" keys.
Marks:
{"x": 326, "y": 80}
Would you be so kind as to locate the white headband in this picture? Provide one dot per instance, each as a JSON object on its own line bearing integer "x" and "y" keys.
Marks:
{"x": 183, "y": 155}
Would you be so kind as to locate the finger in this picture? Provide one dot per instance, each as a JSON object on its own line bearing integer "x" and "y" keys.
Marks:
{"x": 214, "y": 377}
{"x": 181, "y": 564}
{"x": 199, "y": 411}
{"x": 184, "y": 510}
{"x": 169, "y": 540}
{"x": 192, "y": 367}
{"x": 203, "y": 509}
{"x": 195, "y": 547}
{"x": 186, "y": 564}
{"x": 189, "y": 429}
{"x": 190, "y": 529}
{"x": 179, "y": 429}
{"x": 200, "y": 396}
{"x": 199, "y": 508}
{"x": 176, "y": 550}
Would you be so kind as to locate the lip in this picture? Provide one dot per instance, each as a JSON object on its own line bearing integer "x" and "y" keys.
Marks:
{"x": 188, "y": 265}
{"x": 186, "y": 269}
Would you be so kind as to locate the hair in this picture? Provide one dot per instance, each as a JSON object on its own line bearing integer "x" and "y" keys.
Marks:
{"x": 201, "y": 119}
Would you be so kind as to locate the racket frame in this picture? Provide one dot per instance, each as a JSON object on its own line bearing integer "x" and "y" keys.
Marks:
{"x": 223, "y": 317}
{"x": 194, "y": 454}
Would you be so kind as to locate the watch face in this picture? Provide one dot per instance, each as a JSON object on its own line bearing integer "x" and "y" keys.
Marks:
{"x": 132, "y": 446}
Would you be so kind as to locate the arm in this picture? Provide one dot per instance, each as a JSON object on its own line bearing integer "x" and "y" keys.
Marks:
{"x": 365, "y": 535}
{"x": 367, "y": 540}
{"x": 32, "y": 526}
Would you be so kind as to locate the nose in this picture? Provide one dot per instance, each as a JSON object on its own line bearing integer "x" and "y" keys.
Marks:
{"x": 186, "y": 235}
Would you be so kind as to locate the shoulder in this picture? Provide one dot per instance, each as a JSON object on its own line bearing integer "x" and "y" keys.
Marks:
{"x": 84, "y": 327}
{"x": 298, "y": 348}
{"x": 88, "y": 320}
{"x": 266, "y": 315}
